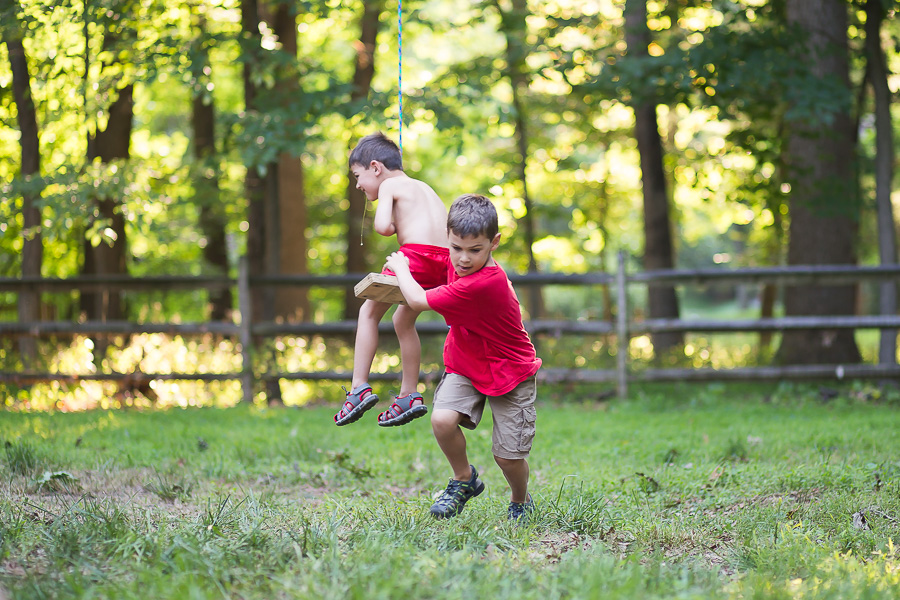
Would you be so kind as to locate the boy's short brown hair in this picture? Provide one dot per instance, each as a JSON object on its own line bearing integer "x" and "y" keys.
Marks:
{"x": 473, "y": 215}
{"x": 380, "y": 147}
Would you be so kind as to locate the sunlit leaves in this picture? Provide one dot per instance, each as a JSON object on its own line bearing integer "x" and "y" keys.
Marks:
{"x": 725, "y": 72}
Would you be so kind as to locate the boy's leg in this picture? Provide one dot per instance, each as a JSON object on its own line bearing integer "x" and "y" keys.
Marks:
{"x": 360, "y": 397}
{"x": 370, "y": 314}
{"x": 410, "y": 349}
{"x": 516, "y": 473}
{"x": 514, "y": 429}
{"x": 465, "y": 483}
{"x": 452, "y": 441}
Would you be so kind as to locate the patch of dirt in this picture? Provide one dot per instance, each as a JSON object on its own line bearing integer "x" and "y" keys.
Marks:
{"x": 709, "y": 552}
{"x": 133, "y": 489}
{"x": 798, "y": 496}
{"x": 551, "y": 547}
{"x": 13, "y": 568}
{"x": 712, "y": 553}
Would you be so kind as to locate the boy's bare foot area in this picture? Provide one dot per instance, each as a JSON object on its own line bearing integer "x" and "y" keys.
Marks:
{"x": 403, "y": 410}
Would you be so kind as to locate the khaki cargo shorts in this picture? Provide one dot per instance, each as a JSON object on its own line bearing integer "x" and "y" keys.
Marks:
{"x": 514, "y": 413}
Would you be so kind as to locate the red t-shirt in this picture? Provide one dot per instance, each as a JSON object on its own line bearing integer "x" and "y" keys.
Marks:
{"x": 487, "y": 342}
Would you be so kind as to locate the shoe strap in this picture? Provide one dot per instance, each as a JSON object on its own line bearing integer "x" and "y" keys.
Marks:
{"x": 360, "y": 388}
{"x": 407, "y": 400}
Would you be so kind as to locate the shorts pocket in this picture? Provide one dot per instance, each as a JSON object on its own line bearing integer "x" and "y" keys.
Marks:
{"x": 527, "y": 428}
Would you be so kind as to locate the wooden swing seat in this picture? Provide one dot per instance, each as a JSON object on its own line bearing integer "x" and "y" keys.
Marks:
{"x": 379, "y": 287}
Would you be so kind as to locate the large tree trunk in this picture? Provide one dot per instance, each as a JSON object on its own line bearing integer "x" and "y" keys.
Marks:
{"x": 285, "y": 200}
{"x": 515, "y": 28}
{"x": 254, "y": 184}
{"x": 884, "y": 173}
{"x": 356, "y": 201}
{"x": 824, "y": 206}
{"x": 292, "y": 303}
{"x": 273, "y": 265}
{"x": 29, "y": 302}
{"x": 212, "y": 218}
{"x": 658, "y": 250}
{"x": 109, "y": 255}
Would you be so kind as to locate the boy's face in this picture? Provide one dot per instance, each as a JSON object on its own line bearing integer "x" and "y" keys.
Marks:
{"x": 367, "y": 179}
{"x": 469, "y": 254}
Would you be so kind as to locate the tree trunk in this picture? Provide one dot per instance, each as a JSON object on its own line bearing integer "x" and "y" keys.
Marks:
{"x": 272, "y": 242}
{"x": 212, "y": 218}
{"x": 515, "y": 29}
{"x": 292, "y": 303}
{"x": 824, "y": 205}
{"x": 109, "y": 256}
{"x": 29, "y": 302}
{"x": 884, "y": 173}
{"x": 363, "y": 73}
{"x": 658, "y": 251}
{"x": 273, "y": 262}
{"x": 254, "y": 184}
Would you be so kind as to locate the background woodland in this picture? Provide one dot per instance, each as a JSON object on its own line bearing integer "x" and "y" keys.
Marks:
{"x": 149, "y": 138}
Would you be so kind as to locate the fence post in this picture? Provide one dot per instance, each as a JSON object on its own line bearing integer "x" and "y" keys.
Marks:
{"x": 621, "y": 329}
{"x": 245, "y": 336}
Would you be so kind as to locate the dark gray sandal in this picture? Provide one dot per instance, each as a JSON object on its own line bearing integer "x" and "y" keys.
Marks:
{"x": 357, "y": 403}
{"x": 402, "y": 411}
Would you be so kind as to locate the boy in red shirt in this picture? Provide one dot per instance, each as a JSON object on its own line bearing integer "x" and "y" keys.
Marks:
{"x": 487, "y": 356}
{"x": 413, "y": 211}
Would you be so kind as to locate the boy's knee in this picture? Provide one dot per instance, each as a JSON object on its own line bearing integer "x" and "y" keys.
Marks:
{"x": 443, "y": 420}
{"x": 372, "y": 310}
{"x": 404, "y": 318}
{"x": 508, "y": 463}
{"x": 367, "y": 309}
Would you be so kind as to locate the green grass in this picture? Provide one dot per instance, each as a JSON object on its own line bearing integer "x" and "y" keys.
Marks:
{"x": 684, "y": 491}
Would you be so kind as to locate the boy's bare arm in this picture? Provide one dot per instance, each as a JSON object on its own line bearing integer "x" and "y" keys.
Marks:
{"x": 412, "y": 291}
{"x": 384, "y": 213}
{"x": 389, "y": 194}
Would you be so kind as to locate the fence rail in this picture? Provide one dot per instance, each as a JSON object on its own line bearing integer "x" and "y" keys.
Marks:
{"x": 621, "y": 326}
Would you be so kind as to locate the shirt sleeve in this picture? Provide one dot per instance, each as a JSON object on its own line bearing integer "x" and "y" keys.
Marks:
{"x": 453, "y": 301}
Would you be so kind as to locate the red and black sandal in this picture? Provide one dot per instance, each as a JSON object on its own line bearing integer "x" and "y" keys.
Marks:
{"x": 357, "y": 403}
{"x": 402, "y": 411}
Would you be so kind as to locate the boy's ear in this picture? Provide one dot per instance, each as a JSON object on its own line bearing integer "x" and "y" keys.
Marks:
{"x": 495, "y": 242}
{"x": 376, "y": 166}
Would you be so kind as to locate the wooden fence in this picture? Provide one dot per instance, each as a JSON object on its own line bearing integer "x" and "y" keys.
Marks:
{"x": 623, "y": 326}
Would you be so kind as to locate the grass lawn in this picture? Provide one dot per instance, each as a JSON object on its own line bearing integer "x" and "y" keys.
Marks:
{"x": 683, "y": 491}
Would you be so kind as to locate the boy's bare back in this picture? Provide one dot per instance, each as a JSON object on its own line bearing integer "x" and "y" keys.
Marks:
{"x": 412, "y": 210}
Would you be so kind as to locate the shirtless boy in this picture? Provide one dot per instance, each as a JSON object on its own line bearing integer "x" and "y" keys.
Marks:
{"x": 411, "y": 210}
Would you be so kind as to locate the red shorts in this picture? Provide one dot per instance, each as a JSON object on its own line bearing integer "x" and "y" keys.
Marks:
{"x": 429, "y": 265}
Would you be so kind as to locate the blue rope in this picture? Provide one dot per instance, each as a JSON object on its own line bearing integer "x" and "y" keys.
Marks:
{"x": 400, "y": 68}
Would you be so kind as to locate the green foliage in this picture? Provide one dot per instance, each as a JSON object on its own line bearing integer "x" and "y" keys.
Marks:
{"x": 726, "y": 77}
